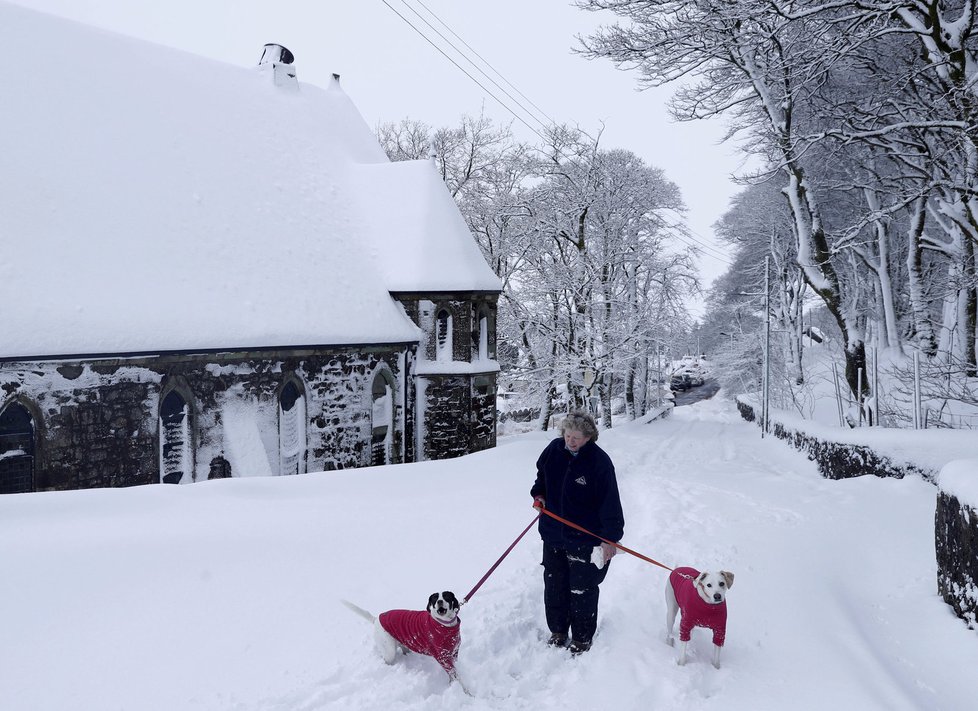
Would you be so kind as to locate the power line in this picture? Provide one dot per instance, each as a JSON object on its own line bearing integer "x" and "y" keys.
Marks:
{"x": 488, "y": 64}
{"x": 479, "y": 69}
{"x": 683, "y": 232}
{"x": 462, "y": 69}
{"x": 711, "y": 250}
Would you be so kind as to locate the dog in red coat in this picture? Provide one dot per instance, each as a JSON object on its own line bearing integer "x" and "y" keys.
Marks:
{"x": 702, "y": 599}
{"x": 434, "y": 632}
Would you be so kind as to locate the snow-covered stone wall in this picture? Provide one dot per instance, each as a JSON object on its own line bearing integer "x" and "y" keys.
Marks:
{"x": 956, "y": 538}
{"x": 459, "y": 415}
{"x": 92, "y": 422}
{"x": 97, "y": 423}
{"x": 838, "y": 459}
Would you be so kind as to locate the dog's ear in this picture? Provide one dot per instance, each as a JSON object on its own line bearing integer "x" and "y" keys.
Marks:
{"x": 700, "y": 578}
{"x": 728, "y": 577}
{"x": 432, "y": 599}
{"x": 450, "y": 598}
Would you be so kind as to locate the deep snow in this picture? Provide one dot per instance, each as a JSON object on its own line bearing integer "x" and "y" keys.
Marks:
{"x": 225, "y": 594}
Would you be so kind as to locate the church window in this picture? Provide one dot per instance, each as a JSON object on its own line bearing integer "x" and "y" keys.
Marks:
{"x": 292, "y": 429}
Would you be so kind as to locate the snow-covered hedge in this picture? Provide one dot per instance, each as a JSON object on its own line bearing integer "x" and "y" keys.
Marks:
{"x": 956, "y": 538}
{"x": 838, "y": 459}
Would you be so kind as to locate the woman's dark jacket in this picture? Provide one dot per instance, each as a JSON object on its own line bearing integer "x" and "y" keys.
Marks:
{"x": 582, "y": 489}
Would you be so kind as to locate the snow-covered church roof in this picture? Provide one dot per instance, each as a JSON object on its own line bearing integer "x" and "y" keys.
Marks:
{"x": 152, "y": 200}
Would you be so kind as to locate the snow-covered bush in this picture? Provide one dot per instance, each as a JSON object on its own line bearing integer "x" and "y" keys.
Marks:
{"x": 956, "y": 538}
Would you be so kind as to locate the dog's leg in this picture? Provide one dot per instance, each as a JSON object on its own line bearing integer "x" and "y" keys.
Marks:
{"x": 453, "y": 676}
{"x": 672, "y": 607}
{"x": 681, "y": 659}
{"x": 386, "y": 645}
{"x": 716, "y": 656}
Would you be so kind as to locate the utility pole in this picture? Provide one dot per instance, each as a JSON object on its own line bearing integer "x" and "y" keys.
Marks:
{"x": 766, "y": 394}
{"x": 658, "y": 374}
{"x": 766, "y": 368}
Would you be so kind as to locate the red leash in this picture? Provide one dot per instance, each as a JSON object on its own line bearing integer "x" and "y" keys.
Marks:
{"x": 566, "y": 523}
{"x": 616, "y": 545}
{"x": 496, "y": 564}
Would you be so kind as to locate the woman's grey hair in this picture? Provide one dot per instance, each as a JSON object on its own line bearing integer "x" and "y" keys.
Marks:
{"x": 581, "y": 422}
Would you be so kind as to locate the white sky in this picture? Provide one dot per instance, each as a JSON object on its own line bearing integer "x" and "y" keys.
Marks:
{"x": 391, "y": 72}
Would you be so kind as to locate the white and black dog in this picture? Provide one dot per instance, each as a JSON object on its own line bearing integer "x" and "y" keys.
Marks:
{"x": 701, "y": 597}
{"x": 434, "y": 631}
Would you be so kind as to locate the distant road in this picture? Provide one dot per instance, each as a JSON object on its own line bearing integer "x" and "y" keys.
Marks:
{"x": 703, "y": 392}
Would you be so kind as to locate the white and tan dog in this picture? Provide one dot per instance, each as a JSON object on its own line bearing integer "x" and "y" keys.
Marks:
{"x": 701, "y": 597}
{"x": 434, "y": 631}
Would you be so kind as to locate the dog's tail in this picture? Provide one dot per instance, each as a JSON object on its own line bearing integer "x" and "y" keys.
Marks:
{"x": 360, "y": 611}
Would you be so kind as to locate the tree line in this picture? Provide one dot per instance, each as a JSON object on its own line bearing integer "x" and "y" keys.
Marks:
{"x": 582, "y": 239}
{"x": 861, "y": 116}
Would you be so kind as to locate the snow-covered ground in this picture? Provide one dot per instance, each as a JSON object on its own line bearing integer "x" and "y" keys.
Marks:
{"x": 225, "y": 595}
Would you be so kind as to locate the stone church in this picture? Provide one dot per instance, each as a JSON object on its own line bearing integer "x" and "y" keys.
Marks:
{"x": 213, "y": 271}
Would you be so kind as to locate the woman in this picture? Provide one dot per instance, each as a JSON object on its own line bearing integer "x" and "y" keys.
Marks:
{"x": 576, "y": 481}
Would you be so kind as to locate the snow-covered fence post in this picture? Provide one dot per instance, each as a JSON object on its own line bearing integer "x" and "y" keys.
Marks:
{"x": 876, "y": 389}
{"x": 838, "y": 393}
{"x": 956, "y": 538}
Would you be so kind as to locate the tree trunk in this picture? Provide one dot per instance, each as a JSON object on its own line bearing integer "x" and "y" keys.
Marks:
{"x": 630, "y": 406}
{"x": 969, "y": 308}
{"x": 605, "y": 392}
{"x": 884, "y": 282}
{"x": 922, "y": 327}
{"x": 814, "y": 258}
{"x": 547, "y": 407}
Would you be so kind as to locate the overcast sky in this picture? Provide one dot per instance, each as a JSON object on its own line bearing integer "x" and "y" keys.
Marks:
{"x": 391, "y": 72}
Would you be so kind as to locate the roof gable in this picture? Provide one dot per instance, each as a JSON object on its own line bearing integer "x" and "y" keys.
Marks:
{"x": 422, "y": 241}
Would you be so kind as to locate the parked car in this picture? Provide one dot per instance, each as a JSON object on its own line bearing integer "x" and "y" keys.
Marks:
{"x": 681, "y": 381}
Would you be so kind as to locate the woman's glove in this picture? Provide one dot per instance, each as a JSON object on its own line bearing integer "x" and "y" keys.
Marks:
{"x": 600, "y": 555}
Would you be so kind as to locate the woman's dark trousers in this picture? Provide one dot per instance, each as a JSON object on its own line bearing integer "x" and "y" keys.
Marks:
{"x": 570, "y": 590}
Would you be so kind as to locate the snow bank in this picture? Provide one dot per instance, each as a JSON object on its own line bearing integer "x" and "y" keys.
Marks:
{"x": 927, "y": 450}
{"x": 225, "y": 595}
{"x": 960, "y": 479}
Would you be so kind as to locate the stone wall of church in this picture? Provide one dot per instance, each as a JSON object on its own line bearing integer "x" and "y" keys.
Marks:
{"x": 97, "y": 423}
{"x": 459, "y": 414}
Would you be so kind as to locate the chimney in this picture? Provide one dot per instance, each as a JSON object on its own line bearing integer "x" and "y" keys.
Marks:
{"x": 432, "y": 153}
{"x": 277, "y": 61}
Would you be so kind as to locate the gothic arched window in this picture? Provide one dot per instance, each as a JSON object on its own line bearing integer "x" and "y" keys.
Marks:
{"x": 176, "y": 446}
{"x": 480, "y": 333}
{"x": 292, "y": 429}
{"x": 443, "y": 335}
{"x": 382, "y": 419}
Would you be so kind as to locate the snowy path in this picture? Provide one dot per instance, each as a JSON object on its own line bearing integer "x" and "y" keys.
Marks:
{"x": 224, "y": 595}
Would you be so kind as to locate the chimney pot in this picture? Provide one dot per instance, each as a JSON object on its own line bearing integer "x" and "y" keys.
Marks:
{"x": 276, "y": 53}
{"x": 277, "y": 61}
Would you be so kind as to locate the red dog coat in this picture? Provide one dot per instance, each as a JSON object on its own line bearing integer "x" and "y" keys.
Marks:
{"x": 696, "y": 612}
{"x": 418, "y": 631}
